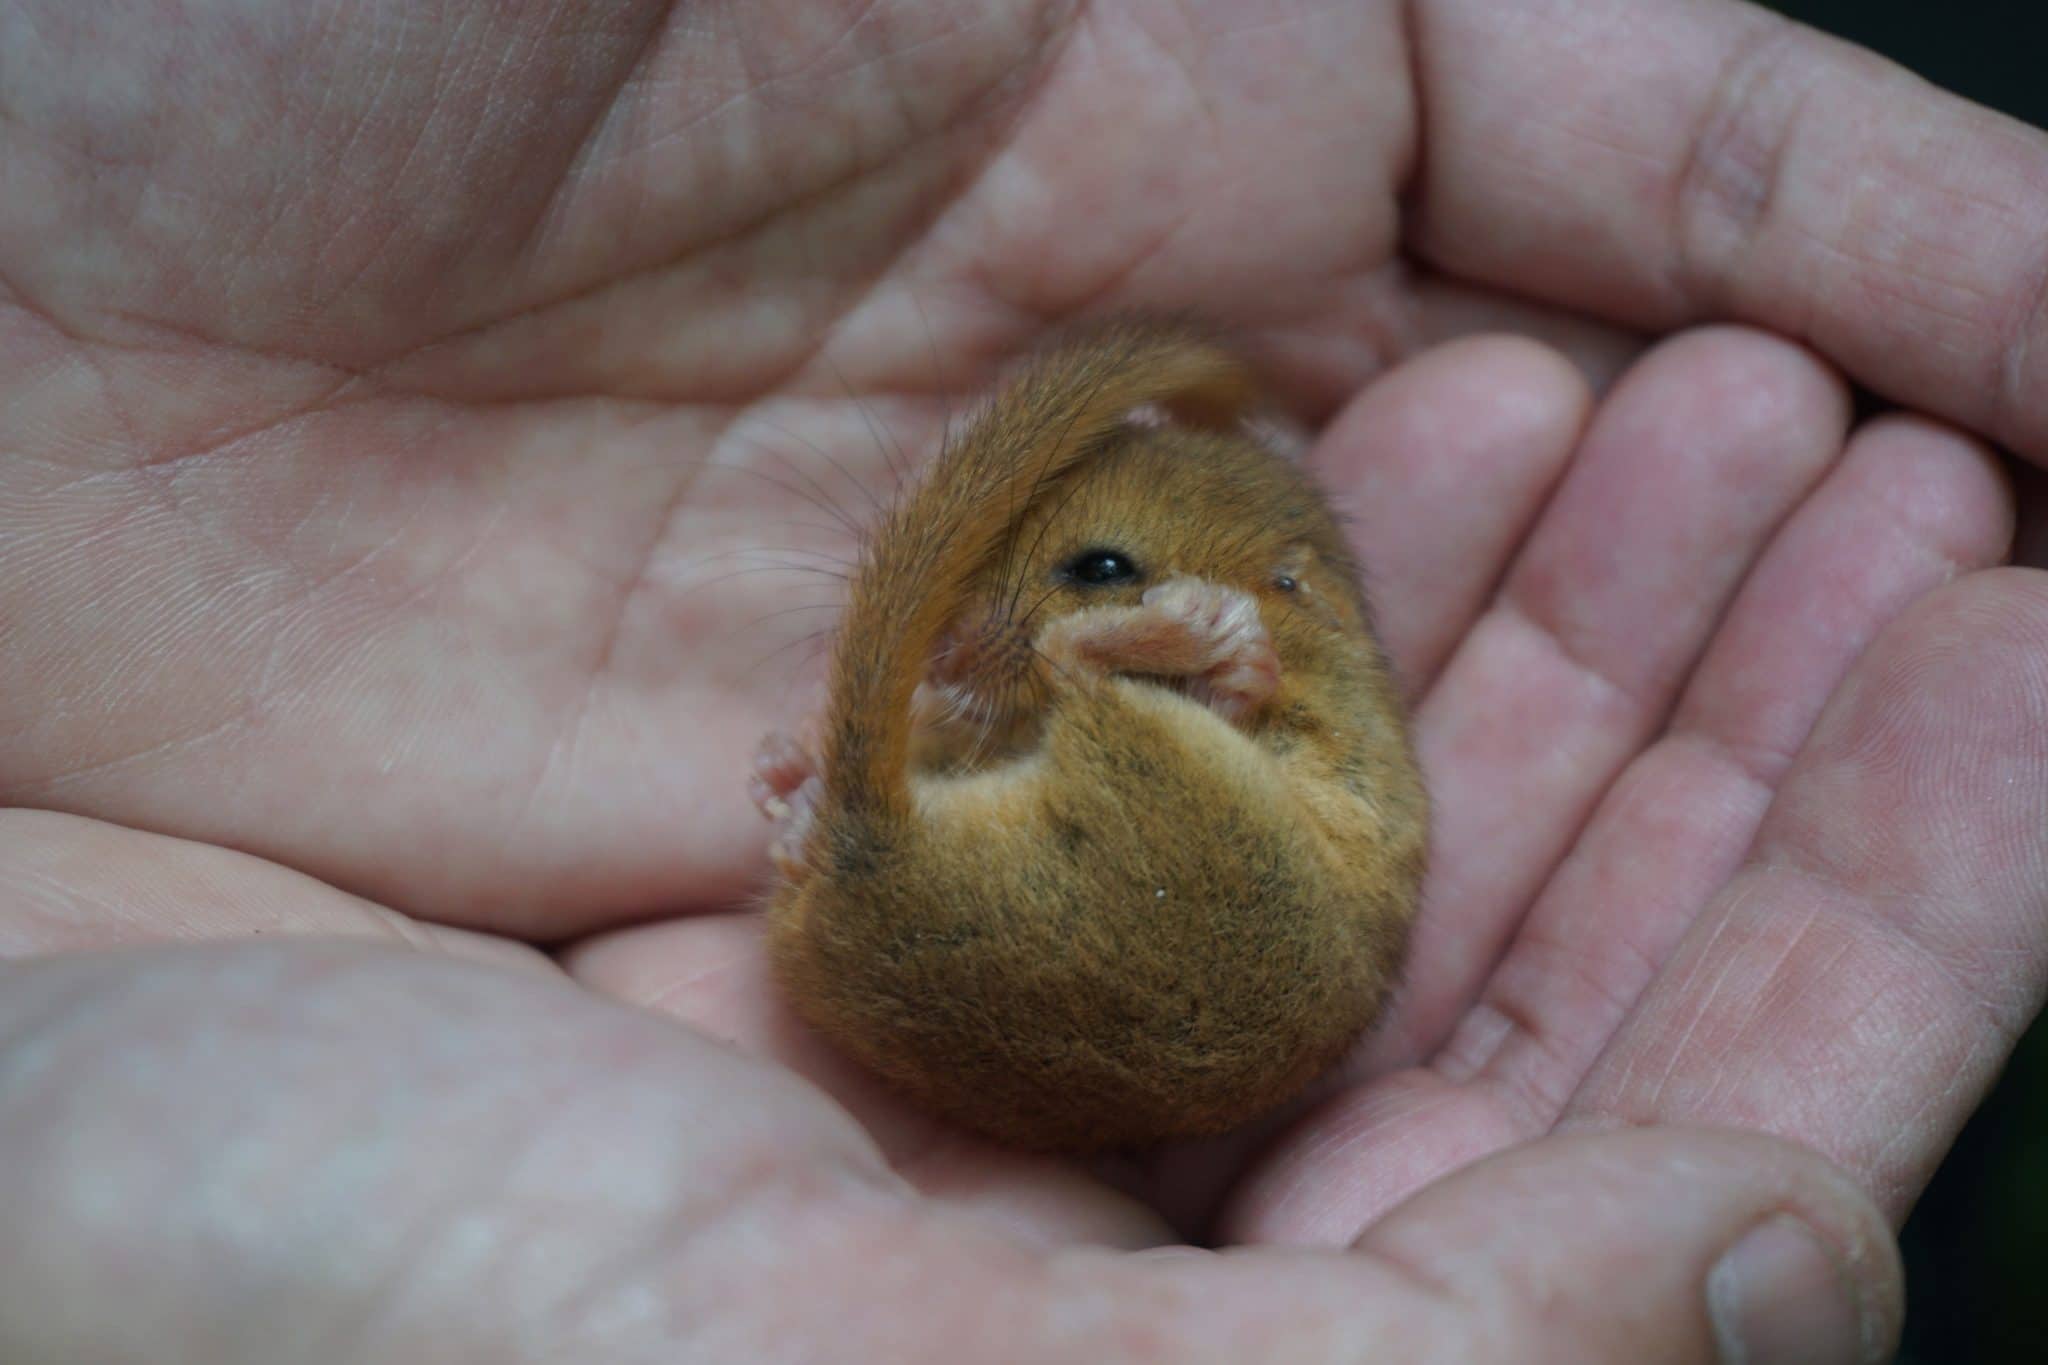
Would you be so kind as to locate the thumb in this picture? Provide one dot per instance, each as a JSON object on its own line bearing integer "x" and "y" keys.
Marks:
{"x": 1647, "y": 1244}
{"x": 1659, "y": 1244}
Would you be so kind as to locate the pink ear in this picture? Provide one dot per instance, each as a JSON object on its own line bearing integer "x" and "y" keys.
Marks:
{"x": 1149, "y": 416}
{"x": 1275, "y": 433}
{"x": 1278, "y": 435}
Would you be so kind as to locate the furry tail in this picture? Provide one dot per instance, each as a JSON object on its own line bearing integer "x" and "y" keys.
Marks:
{"x": 915, "y": 574}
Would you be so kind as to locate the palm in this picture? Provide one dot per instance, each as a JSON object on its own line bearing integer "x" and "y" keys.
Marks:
{"x": 508, "y": 404}
{"x": 505, "y": 347}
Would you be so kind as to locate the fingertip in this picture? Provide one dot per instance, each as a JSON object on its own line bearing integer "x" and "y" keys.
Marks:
{"x": 1444, "y": 464}
{"x": 1744, "y": 376}
{"x": 1947, "y": 486}
{"x": 1511, "y": 357}
{"x": 1911, "y": 505}
{"x": 1491, "y": 396}
{"x": 1446, "y": 309}
{"x": 1521, "y": 391}
{"x": 1685, "y": 474}
{"x": 1514, "y": 352}
{"x": 1956, "y": 690}
{"x": 1983, "y": 634}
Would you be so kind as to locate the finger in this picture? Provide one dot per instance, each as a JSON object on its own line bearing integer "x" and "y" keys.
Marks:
{"x": 1650, "y": 1245}
{"x": 1446, "y": 309}
{"x": 1681, "y": 479}
{"x": 68, "y": 884}
{"x": 1714, "y": 1244}
{"x": 1660, "y": 163}
{"x": 1441, "y": 467}
{"x": 711, "y": 972}
{"x": 1858, "y": 985}
{"x": 1909, "y": 505}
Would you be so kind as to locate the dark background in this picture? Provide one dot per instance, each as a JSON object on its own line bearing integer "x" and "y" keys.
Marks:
{"x": 1974, "y": 1295}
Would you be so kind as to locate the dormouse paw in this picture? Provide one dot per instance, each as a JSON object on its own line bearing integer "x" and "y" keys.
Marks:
{"x": 1241, "y": 670}
{"x": 782, "y": 763}
{"x": 786, "y": 788}
{"x": 1188, "y": 628}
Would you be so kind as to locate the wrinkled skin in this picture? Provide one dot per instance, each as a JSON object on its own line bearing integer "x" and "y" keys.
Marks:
{"x": 392, "y": 396}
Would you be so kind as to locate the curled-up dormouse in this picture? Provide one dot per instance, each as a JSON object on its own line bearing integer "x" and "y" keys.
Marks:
{"x": 1111, "y": 831}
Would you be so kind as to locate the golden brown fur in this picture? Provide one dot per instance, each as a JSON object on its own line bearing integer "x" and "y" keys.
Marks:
{"x": 1079, "y": 868}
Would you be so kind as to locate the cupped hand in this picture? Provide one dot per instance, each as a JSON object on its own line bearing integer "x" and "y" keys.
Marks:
{"x": 415, "y": 423}
{"x": 354, "y": 1155}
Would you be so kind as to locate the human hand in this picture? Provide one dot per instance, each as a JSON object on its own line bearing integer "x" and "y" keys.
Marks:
{"x": 299, "y": 563}
{"x": 321, "y": 1153}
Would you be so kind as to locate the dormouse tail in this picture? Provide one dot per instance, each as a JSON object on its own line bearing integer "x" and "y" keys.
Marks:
{"x": 918, "y": 564}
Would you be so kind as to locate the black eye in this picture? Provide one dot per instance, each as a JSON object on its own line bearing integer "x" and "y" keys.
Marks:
{"x": 1098, "y": 567}
{"x": 1286, "y": 582}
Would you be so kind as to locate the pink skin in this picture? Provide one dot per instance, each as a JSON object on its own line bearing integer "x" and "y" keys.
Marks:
{"x": 378, "y": 454}
{"x": 786, "y": 787}
{"x": 1207, "y": 633}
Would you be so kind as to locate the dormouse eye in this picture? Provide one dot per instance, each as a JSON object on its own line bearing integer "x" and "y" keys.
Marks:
{"x": 1099, "y": 568}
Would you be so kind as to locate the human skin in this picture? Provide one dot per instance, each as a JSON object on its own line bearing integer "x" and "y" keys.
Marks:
{"x": 389, "y": 397}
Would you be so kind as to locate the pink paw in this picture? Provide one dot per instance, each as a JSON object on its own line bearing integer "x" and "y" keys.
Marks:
{"x": 786, "y": 788}
{"x": 782, "y": 763}
{"x": 1237, "y": 669}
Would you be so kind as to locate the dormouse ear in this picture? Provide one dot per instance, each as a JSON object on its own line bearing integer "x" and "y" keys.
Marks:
{"x": 1270, "y": 431}
{"x": 1218, "y": 409}
{"x": 1223, "y": 406}
{"x": 1216, "y": 394}
{"x": 1279, "y": 435}
{"x": 1149, "y": 416}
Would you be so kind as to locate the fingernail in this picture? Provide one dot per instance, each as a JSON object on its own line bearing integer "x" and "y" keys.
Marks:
{"x": 1778, "y": 1295}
